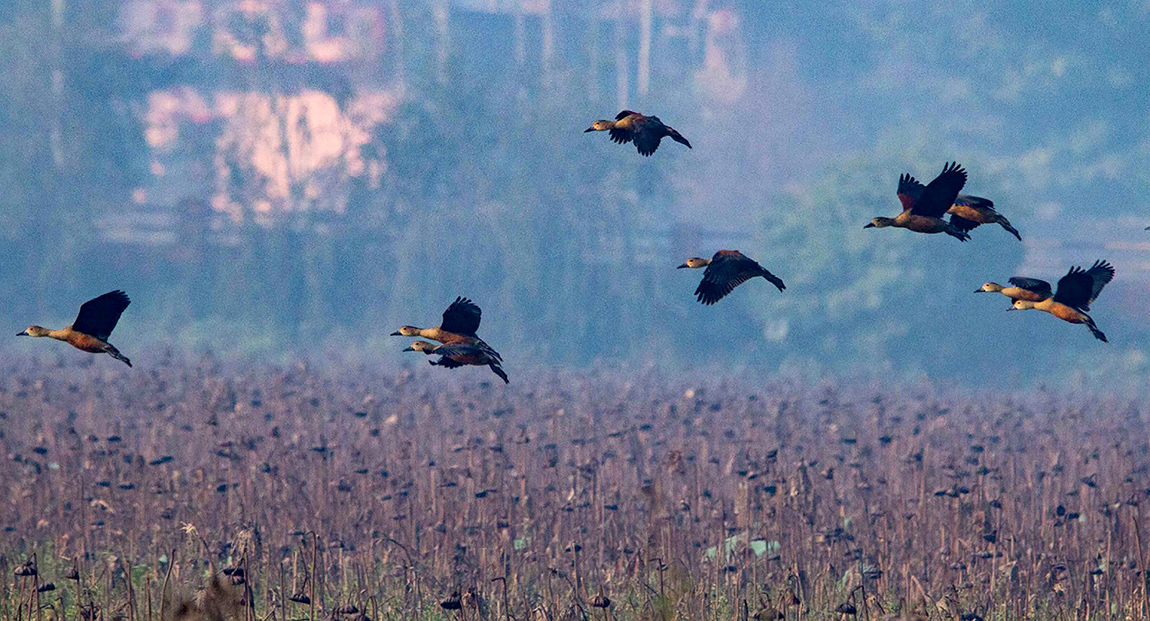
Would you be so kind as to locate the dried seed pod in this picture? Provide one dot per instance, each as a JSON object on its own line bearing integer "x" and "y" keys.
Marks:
{"x": 46, "y": 587}
{"x": 846, "y": 608}
{"x": 600, "y": 601}
{"x": 72, "y": 575}
{"x": 347, "y": 609}
{"x": 300, "y": 598}
{"x": 234, "y": 571}
{"x": 26, "y": 570}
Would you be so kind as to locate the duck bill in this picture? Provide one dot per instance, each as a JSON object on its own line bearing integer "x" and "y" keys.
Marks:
{"x": 981, "y": 291}
{"x": 409, "y": 349}
{"x": 24, "y": 333}
{"x": 589, "y": 129}
{"x": 396, "y": 333}
{"x": 682, "y": 266}
{"x": 869, "y": 226}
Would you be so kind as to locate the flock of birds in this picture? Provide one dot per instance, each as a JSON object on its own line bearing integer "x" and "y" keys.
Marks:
{"x": 923, "y": 211}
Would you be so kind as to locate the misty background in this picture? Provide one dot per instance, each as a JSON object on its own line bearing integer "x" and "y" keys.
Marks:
{"x": 285, "y": 179}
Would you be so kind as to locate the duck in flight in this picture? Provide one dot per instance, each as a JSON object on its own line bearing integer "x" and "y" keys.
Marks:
{"x": 725, "y": 271}
{"x": 459, "y": 354}
{"x": 923, "y": 207}
{"x": 645, "y": 131}
{"x": 460, "y": 322}
{"x": 1029, "y": 289}
{"x": 967, "y": 212}
{"x": 1076, "y": 291}
{"x": 92, "y": 327}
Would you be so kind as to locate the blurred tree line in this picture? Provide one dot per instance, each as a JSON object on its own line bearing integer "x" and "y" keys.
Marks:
{"x": 567, "y": 241}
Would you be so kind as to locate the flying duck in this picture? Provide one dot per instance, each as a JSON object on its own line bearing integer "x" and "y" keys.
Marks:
{"x": 1076, "y": 291}
{"x": 92, "y": 327}
{"x": 923, "y": 208}
{"x": 458, "y": 354}
{"x": 725, "y": 271}
{"x": 645, "y": 131}
{"x": 460, "y": 321}
{"x": 967, "y": 212}
{"x": 1029, "y": 289}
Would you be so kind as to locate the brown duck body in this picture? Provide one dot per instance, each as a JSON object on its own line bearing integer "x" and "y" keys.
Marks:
{"x": 920, "y": 224}
{"x": 646, "y": 132}
{"x": 93, "y": 326}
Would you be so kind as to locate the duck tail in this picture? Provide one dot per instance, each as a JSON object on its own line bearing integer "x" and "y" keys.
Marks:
{"x": 1010, "y": 229}
{"x": 677, "y": 137}
{"x": 1098, "y": 334}
{"x": 115, "y": 353}
{"x": 498, "y": 370}
{"x": 774, "y": 280}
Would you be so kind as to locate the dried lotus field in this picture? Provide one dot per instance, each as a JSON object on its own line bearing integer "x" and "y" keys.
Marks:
{"x": 207, "y": 491}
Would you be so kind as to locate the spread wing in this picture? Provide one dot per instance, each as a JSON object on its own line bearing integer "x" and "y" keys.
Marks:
{"x": 647, "y": 133}
{"x": 728, "y": 269}
{"x": 974, "y": 201}
{"x": 941, "y": 193}
{"x": 625, "y": 113}
{"x": 98, "y": 316}
{"x": 963, "y": 224}
{"x": 909, "y": 189}
{"x": 1041, "y": 287}
{"x": 448, "y": 363}
{"x": 1079, "y": 287}
{"x": 462, "y": 317}
{"x": 621, "y": 136}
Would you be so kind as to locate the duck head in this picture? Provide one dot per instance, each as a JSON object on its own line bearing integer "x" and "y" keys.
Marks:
{"x": 34, "y": 331}
{"x": 879, "y": 223}
{"x": 695, "y": 263}
{"x": 406, "y": 331}
{"x": 599, "y": 126}
{"x": 989, "y": 287}
{"x": 422, "y": 346}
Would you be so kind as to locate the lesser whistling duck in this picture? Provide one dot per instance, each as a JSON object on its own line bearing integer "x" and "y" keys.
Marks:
{"x": 92, "y": 327}
{"x": 1029, "y": 289}
{"x": 923, "y": 208}
{"x": 458, "y": 354}
{"x": 725, "y": 271}
{"x": 1076, "y": 291}
{"x": 967, "y": 212}
{"x": 644, "y": 131}
{"x": 460, "y": 321}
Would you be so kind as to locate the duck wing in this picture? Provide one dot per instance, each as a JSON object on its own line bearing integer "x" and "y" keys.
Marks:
{"x": 728, "y": 269}
{"x": 1041, "y": 287}
{"x": 646, "y": 134}
{"x": 98, "y": 316}
{"x": 909, "y": 189}
{"x": 1079, "y": 287}
{"x": 941, "y": 193}
{"x": 962, "y": 224}
{"x": 977, "y": 202}
{"x": 626, "y": 113}
{"x": 462, "y": 317}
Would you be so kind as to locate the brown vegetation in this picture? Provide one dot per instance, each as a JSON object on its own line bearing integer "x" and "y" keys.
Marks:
{"x": 350, "y": 494}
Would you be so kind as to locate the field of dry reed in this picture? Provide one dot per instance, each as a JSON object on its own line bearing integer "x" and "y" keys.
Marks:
{"x": 205, "y": 491}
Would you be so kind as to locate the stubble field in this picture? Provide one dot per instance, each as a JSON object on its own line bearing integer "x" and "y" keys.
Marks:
{"x": 208, "y": 491}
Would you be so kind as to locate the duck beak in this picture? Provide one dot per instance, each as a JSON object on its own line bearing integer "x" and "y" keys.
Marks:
{"x": 980, "y": 290}
{"x": 682, "y": 266}
{"x": 869, "y": 226}
{"x": 24, "y": 333}
{"x": 1011, "y": 309}
{"x": 409, "y": 349}
{"x": 396, "y": 333}
{"x": 589, "y": 129}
